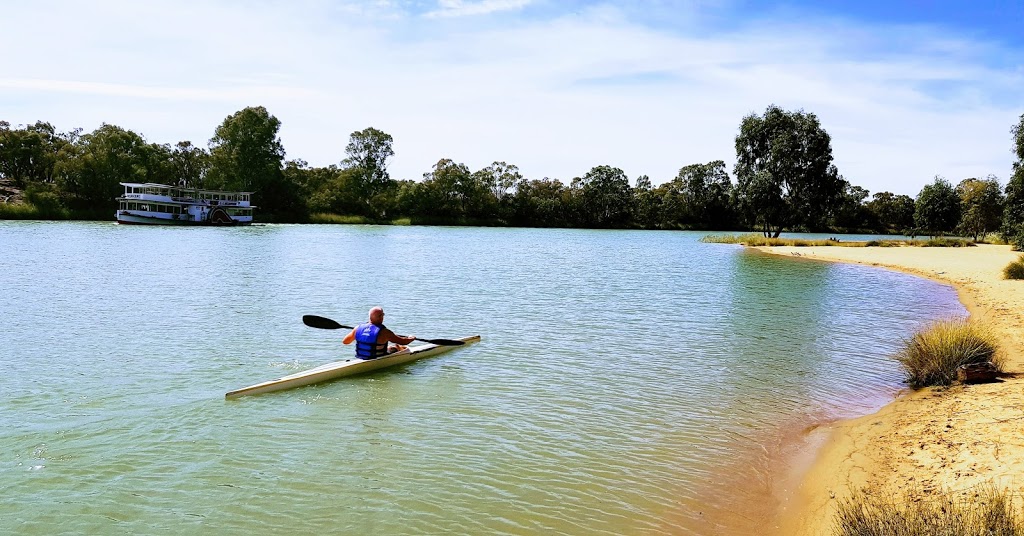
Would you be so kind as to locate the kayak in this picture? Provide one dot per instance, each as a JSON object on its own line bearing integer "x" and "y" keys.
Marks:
{"x": 348, "y": 367}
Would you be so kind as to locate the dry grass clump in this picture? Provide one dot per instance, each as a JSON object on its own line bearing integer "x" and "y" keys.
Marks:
{"x": 990, "y": 512}
{"x": 932, "y": 355}
{"x": 1015, "y": 270}
{"x": 943, "y": 242}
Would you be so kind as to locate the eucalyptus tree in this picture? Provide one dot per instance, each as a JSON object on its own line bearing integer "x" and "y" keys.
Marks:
{"x": 1013, "y": 213}
{"x": 367, "y": 155}
{"x": 448, "y": 190}
{"x": 602, "y": 198}
{"x": 497, "y": 183}
{"x": 706, "y": 191}
{"x": 541, "y": 203}
{"x": 894, "y": 213}
{"x": 794, "y": 153}
{"x": 647, "y": 204}
{"x": 246, "y": 154}
{"x": 852, "y": 212}
{"x": 29, "y": 154}
{"x": 981, "y": 203}
{"x": 89, "y": 171}
{"x": 937, "y": 208}
{"x": 189, "y": 164}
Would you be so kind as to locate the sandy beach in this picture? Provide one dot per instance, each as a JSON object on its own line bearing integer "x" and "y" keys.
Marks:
{"x": 930, "y": 440}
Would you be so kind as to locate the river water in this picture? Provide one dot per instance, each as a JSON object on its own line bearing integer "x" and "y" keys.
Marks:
{"x": 628, "y": 382}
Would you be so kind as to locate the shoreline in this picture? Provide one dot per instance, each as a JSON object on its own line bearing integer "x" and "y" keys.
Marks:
{"x": 931, "y": 440}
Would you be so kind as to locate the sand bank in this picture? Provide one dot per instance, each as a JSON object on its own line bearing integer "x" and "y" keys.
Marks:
{"x": 926, "y": 441}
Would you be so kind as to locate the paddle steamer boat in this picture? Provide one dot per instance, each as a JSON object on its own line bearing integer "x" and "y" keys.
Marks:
{"x": 160, "y": 204}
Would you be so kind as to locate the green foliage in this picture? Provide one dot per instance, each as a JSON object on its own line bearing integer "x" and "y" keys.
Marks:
{"x": 188, "y": 165}
{"x": 937, "y": 208}
{"x": 852, "y": 211}
{"x": 89, "y": 171}
{"x": 987, "y": 512}
{"x": 981, "y": 203}
{"x": 891, "y": 212}
{"x": 28, "y": 155}
{"x": 705, "y": 193}
{"x": 932, "y": 355}
{"x": 1014, "y": 270}
{"x": 602, "y": 198}
{"x": 246, "y": 155}
{"x": 366, "y": 159}
{"x": 784, "y": 171}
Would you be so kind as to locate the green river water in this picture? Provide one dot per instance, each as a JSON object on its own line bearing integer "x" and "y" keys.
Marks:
{"x": 628, "y": 382}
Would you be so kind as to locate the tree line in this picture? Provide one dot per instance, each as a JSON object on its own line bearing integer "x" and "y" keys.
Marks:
{"x": 785, "y": 179}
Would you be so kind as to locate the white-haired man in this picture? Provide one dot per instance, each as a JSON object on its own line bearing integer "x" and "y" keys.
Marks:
{"x": 372, "y": 338}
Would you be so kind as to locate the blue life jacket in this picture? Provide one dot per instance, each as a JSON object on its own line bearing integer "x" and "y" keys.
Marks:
{"x": 366, "y": 342}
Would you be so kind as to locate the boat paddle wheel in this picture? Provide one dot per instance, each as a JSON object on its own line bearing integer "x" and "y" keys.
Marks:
{"x": 219, "y": 216}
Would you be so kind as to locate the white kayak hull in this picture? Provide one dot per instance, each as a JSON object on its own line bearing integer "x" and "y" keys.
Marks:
{"x": 348, "y": 367}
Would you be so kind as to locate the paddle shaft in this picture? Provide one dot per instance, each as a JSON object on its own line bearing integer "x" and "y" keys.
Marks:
{"x": 320, "y": 322}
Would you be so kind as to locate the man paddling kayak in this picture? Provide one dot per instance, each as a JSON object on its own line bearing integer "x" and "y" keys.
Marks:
{"x": 372, "y": 337}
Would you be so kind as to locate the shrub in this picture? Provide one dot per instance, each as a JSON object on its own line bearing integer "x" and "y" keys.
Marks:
{"x": 988, "y": 512}
{"x": 932, "y": 355}
{"x": 1015, "y": 270}
{"x": 1017, "y": 239}
{"x": 943, "y": 242}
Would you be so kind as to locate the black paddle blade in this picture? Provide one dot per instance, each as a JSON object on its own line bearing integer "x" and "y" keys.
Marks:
{"x": 443, "y": 342}
{"x": 314, "y": 321}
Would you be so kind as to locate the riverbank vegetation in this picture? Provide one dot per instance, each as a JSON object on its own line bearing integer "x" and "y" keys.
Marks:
{"x": 932, "y": 356}
{"x": 753, "y": 239}
{"x": 784, "y": 179}
{"x": 988, "y": 512}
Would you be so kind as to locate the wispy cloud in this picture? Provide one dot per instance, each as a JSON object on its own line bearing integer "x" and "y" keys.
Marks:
{"x": 462, "y": 8}
{"x": 182, "y": 94}
{"x": 555, "y": 91}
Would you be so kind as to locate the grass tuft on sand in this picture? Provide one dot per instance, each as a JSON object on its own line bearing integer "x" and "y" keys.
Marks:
{"x": 932, "y": 355}
{"x": 1015, "y": 270}
{"x": 989, "y": 512}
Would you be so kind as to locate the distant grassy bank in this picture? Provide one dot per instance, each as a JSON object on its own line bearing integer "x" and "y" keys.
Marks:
{"x": 754, "y": 240}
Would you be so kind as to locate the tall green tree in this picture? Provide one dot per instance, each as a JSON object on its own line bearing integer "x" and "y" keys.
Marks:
{"x": 852, "y": 212}
{"x": 981, "y": 204}
{"x": 246, "y": 154}
{"x": 761, "y": 202}
{"x": 28, "y": 155}
{"x": 603, "y": 197}
{"x": 647, "y": 204}
{"x": 792, "y": 150}
{"x": 367, "y": 157}
{"x": 448, "y": 190}
{"x": 893, "y": 213}
{"x": 706, "y": 191}
{"x": 189, "y": 165}
{"x": 89, "y": 171}
{"x": 937, "y": 208}
{"x": 541, "y": 203}
{"x": 1013, "y": 213}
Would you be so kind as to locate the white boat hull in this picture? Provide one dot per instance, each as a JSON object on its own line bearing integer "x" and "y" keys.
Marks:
{"x": 348, "y": 367}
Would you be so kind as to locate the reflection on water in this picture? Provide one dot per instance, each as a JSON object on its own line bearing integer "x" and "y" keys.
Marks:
{"x": 627, "y": 382}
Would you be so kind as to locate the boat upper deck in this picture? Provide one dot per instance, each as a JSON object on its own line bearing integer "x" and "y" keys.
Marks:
{"x": 175, "y": 194}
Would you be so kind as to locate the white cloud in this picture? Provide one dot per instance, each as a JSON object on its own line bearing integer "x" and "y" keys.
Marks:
{"x": 555, "y": 96}
{"x": 462, "y": 8}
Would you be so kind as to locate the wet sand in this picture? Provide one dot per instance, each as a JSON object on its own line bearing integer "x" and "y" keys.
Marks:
{"x": 930, "y": 440}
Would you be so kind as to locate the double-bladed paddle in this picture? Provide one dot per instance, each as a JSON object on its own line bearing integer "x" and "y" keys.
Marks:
{"x": 314, "y": 321}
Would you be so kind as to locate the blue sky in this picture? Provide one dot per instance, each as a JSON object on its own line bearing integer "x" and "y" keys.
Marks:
{"x": 908, "y": 90}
